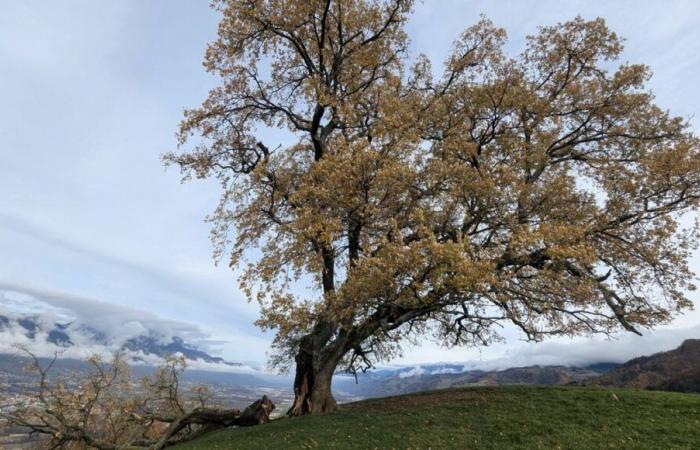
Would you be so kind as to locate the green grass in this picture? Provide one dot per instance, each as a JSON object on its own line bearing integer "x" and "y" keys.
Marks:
{"x": 491, "y": 418}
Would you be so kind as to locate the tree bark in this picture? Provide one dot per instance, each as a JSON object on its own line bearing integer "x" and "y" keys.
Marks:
{"x": 312, "y": 386}
{"x": 312, "y": 383}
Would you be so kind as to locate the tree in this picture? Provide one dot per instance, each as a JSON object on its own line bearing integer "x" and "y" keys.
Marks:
{"x": 545, "y": 190}
{"x": 104, "y": 408}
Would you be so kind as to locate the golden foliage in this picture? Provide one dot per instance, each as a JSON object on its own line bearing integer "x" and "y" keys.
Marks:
{"x": 544, "y": 189}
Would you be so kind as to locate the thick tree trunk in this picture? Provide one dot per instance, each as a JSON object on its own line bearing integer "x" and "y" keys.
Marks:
{"x": 312, "y": 385}
{"x": 316, "y": 362}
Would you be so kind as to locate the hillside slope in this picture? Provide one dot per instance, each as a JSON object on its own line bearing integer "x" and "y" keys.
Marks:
{"x": 486, "y": 417}
{"x": 675, "y": 370}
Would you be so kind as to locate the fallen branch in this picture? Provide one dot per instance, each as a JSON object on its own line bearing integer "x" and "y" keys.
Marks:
{"x": 103, "y": 409}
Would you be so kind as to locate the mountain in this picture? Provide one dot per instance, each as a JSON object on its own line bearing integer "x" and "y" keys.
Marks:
{"x": 150, "y": 345}
{"x": 422, "y": 369}
{"x": 45, "y": 335}
{"x": 405, "y": 380}
{"x": 675, "y": 370}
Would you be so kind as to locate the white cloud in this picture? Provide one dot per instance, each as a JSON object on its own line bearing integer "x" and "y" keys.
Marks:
{"x": 444, "y": 370}
{"x": 416, "y": 371}
{"x": 580, "y": 351}
{"x": 94, "y": 327}
{"x": 113, "y": 320}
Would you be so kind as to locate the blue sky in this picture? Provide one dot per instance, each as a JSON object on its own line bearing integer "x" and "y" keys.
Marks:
{"x": 92, "y": 92}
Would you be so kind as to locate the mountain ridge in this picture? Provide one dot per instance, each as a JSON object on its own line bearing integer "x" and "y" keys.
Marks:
{"x": 64, "y": 335}
{"x": 673, "y": 370}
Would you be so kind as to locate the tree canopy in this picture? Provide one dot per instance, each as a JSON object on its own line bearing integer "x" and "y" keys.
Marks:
{"x": 543, "y": 189}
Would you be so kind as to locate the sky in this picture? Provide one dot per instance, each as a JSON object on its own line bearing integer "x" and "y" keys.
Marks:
{"x": 91, "y": 93}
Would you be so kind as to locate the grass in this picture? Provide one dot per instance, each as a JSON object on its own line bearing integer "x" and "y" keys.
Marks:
{"x": 486, "y": 418}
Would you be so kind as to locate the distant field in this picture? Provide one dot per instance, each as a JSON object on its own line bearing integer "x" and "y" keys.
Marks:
{"x": 491, "y": 418}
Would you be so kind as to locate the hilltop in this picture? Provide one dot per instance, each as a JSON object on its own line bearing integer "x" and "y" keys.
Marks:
{"x": 486, "y": 417}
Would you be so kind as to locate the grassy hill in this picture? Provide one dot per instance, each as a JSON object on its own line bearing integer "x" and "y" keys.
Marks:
{"x": 493, "y": 417}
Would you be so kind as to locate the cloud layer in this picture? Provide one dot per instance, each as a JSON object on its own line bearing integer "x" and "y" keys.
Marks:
{"x": 34, "y": 318}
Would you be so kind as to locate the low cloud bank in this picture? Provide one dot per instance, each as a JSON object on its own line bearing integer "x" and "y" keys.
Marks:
{"x": 586, "y": 351}
{"x": 46, "y": 321}
{"x": 578, "y": 352}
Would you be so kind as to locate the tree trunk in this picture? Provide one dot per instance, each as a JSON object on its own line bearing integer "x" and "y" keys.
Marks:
{"x": 315, "y": 361}
{"x": 312, "y": 385}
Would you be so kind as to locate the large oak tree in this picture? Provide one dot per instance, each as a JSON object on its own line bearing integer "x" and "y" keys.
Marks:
{"x": 543, "y": 190}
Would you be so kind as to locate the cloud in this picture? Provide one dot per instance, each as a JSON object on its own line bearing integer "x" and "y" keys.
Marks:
{"x": 113, "y": 320}
{"x": 581, "y": 352}
{"x": 93, "y": 327}
{"x": 444, "y": 370}
{"x": 578, "y": 352}
{"x": 416, "y": 371}
{"x": 164, "y": 280}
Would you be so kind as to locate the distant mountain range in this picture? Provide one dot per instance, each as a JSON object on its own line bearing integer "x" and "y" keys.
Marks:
{"x": 675, "y": 370}
{"x": 41, "y": 333}
{"x": 428, "y": 377}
